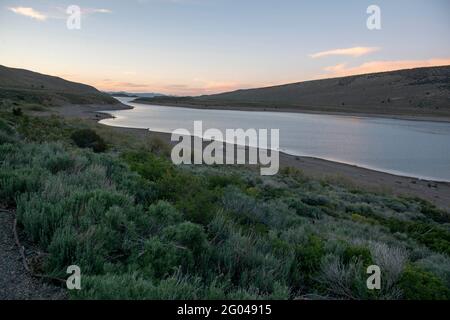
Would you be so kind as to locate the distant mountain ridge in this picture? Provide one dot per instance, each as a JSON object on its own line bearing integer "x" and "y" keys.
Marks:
{"x": 135, "y": 94}
{"x": 36, "y": 87}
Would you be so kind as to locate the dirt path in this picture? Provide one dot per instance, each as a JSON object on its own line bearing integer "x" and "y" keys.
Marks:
{"x": 15, "y": 282}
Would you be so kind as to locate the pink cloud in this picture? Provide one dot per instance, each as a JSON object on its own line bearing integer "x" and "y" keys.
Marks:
{"x": 29, "y": 12}
{"x": 352, "y": 52}
{"x": 341, "y": 70}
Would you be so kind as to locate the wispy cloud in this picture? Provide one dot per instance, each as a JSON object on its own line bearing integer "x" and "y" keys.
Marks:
{"x": 341, "y": 70}
{"x": 95, "y": 10}
{"x": 352, "y": 52}
{"x": 29, "y": 12}
{"x": 55, "y": 13}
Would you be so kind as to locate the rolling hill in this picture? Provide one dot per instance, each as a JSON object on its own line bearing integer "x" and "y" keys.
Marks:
{"x": 33, "y": 87}
{"x": 410, "y": 92}
{"x": 421, "y": 90}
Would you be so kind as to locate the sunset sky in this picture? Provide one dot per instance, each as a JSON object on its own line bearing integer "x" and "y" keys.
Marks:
{"x": 191, "y": 47}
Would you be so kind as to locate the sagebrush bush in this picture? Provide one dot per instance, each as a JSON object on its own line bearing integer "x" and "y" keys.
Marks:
{"x": 160, "y": 258}
{"x": 354, "y": 253}
{"x": 418, "y": 284}
{"x": 188, "y": 235}
{"x": 16, "y": 182}
{"x": 437, "y": 264}
{"x": 7, "y": 133}
{"x": 164, "y": 213}
{"x": 158, "y": 146}
{"x": 344, "y": 280}
{"x": 88, "y": 138}
{"x": 17, "y": 112}
{"x": 142, "y": 228}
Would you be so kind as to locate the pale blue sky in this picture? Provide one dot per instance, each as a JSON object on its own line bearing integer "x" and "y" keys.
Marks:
{"x": 205, "y": 46}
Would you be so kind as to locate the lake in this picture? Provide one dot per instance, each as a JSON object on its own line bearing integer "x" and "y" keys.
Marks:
{"x": 412, "y": 148}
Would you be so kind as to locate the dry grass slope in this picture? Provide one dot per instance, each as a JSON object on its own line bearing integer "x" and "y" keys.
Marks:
{"x": 33, "y": 87}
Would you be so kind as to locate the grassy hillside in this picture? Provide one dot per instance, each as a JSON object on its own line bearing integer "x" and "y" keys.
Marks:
{"x": 142, "y": 228}
{"x": 416, "y": 92}
{"x": 33, "y": 87}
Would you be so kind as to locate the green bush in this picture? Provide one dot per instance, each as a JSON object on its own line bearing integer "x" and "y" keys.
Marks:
{"x": 418, "y": 284}
{"x": 316, "y": 200}
{"x": 17, "y": 112}
{"x": 189, "y": 195}
{"x": 187, "y": 234}
{"x": 87, "y": 138}
{"x": 164, "y": 213}
{"x": 303, "y": 209}
{"x": 354, "y": 253}
{"x": 131, "y": 286}
{"x": 16, "y": 182}
{"x": 7, "y": 133}
{"x": 221, "y": 181}
{"x": 6, "y": 128}
{"x": 159, "y": 259}
{"x": 307, "y": 261}
{"x": 60, "y": 162}
{"x": 147, "y": 165}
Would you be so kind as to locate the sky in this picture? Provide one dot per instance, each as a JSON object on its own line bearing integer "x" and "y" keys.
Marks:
{"x": 193, "y": 47}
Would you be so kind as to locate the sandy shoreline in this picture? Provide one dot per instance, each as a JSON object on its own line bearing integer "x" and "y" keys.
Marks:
{"x": 435, "y": 192}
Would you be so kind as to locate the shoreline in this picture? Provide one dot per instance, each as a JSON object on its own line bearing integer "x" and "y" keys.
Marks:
{"x": 436, "y": 192}
{"x": 444, "y": 119}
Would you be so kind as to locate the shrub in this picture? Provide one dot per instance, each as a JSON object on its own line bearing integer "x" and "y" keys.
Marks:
{"x": 114, "y": 286}
{"x": 87, "y": 138}
{"x": 434, "y": 213}
{"x": 316, "y": 200}
{"x": 343, "y": 280}
{"x": 354, "y": 253}
{"x": 60, "y": 162}
{"x": 221, "y": 181}
{"x": 62, "y": 250}
{"x": 5, "y": 138}
{"x": 391, "y": 260}
{"x": 17, "y": 112}
{"x": 147, "y": 165}
{"x": 438, "y": 265}
{"x": 418, "y": 284}
{"x": 189, "y": 195}
{"x": 7, "y": 133}
{"x": 187, "y": 234}
{"x": 6, "y": 128}
{"x": 164, "y": 213}
{"x": 15, "y": 182}
{"x": 161, "y": 258}
{"x": 307, "y": 261}
{"x": 158, "y": 146}
{"x": 303, "y": 209}
{"x": 41, "y": 218}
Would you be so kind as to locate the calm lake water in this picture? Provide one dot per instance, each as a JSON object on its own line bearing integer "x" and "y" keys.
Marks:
{"x": 412, "y": 148}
